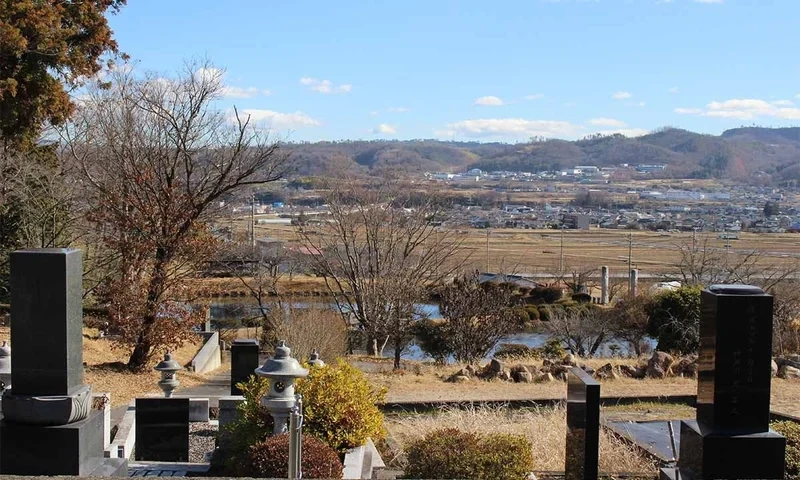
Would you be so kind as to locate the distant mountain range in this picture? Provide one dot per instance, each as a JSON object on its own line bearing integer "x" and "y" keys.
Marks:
{"x": 755, "y": 154}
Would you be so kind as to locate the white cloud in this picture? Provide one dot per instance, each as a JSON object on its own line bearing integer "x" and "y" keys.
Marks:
{"x": 242, "y": 92}
{"x": 399, "y": 109}
{"x": 673, "y": 90}
{"x": 489, "y": 101}
{"x": 535, "y": 96}
{"x": 373, "y": 113}
{"x": 325, "y": 86}
{"x": 384, "y": 129}
{"x": 709, "y": 1}
{"x": 621, "y": 95}
{"x": 783, "y": 103}
{"x": 640, "y": 104}
{"x": 519, "y": 128}
{"x": 606, "y": 122}
{"x": 744, "y": 109}
{"x": 280, "y": 121}
{"x": 688, "y": 111}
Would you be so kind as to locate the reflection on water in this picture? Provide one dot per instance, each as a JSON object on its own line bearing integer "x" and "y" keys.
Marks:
{"x": 238, "y": 309}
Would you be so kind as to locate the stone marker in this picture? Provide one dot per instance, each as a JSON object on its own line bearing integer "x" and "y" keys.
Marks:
{"x": 162, "y": 429}
{"x": 48, "y": 427}
{"x": 731, "y": 436}
{"x": 244, "y": 361}
{"x": 604, "y": 285}
{"x": 633, "y": 282}
{"x": 583, "y": 426}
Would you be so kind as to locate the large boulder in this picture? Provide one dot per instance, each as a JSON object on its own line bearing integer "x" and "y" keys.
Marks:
{"x": 631, "y": 372}
{"x": 544, "y": 377}
{"x": 774, "y": 368}
{"x": 659, "y": 365}
{"x": 505, "y": 376}
{"x": 495, "y": 366}
{"x": 458, "y": 379}
{"x": 789, "y": 372}
{"x": 569, "y": 359}
{"x": 686, "y": 367}
{"x": 606, "y": 372}
{"x": 521, "y": 374}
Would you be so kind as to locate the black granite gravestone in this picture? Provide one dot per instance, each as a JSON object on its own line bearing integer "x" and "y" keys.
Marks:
{"x": 731, "y": 436}
{"x": 244, "y": 360}
{"x": 162, "y": 429}
{"x": 583, "y": 426}
{"x": 47, "y": 321}
{"x": 48, "y": 427}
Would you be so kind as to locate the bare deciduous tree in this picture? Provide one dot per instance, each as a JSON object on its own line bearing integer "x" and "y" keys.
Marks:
{"x": 582, "y": 330}
{"x": 379, "y": 254}
{"x": 156, "y": 158}
{"x": 476, "y": 316}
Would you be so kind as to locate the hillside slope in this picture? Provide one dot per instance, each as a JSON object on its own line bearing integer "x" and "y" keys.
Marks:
{"x": 769, "y": 154}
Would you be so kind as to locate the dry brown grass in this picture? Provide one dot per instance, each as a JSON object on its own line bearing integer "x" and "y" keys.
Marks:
{"x": 104, "y": 370}
{"x": 532, "y": 251}
{"x": 424, "y": 382}
{"x": 544, "y": 427}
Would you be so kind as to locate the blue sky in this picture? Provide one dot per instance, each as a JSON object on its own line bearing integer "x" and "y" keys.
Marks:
{"x": 483, "y": 70}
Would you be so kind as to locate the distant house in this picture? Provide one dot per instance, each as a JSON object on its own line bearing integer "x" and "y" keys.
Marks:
{"x": 575, "y": 221}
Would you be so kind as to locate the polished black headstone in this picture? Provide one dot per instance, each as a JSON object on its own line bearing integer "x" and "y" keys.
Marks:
{"x": 46, "y": 321}
{"x": 244, "y": 360}
{"x": 74, "y": 449}
{"x": 734, "y": 372}
{"x": 162, "y": 429}
{"x": 710, "y": 455}
{"x": 583, "y": 426}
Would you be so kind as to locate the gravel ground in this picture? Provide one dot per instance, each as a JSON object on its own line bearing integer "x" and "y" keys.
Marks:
{"x": 201, "y": 441}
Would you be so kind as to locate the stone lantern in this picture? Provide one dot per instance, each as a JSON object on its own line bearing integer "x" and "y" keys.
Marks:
{"x": 314, "y": 359}
{"x": 282, "y": 370}
{"x": 5, "y": 366}
{"x": 169, "y": 369}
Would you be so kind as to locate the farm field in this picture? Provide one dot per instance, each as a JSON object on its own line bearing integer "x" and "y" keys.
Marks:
{"x": 539, "y": 251}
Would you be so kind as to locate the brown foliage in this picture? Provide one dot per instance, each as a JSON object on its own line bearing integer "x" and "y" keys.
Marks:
{"x": 270, "y": 458}
{"x": 156, "y": 159}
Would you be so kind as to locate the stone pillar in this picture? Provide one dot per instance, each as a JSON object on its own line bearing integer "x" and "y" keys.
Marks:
{"x": 48, "y": 426}
{"x": 731, "y": 436}
{"x": 604, "y": 285}
{"x": 633, "y": 282}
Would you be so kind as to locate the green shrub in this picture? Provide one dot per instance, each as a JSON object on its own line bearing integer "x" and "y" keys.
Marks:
{"x": 533, "y": 312}
{"x": 270, "y": 458}
{"x": 791, "y": 431}
{"x": 506, "y": 350}
{"x": 581, "y": 297}
{"x": 553, "y": 349}
{"x": 252, "y": 425}
{"x": 505, "y": 457}
{"x": 339, "y": 406}
{"x": 544, "y": 295}
{"x": 674, "y": 319}
{"x": 431, "y": 338}
{"x": 451, "y": 453}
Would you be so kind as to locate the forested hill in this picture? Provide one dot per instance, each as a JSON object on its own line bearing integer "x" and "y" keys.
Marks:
{"x": 770, "y": 154}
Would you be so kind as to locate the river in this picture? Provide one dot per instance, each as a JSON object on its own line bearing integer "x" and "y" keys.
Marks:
{"x": 239, "y": 309}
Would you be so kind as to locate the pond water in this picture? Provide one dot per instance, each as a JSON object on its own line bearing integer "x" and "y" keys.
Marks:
{"x": 239, "y": 308}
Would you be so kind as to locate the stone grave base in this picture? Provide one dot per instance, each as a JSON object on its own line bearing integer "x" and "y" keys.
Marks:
{"x": 74, "y": 449}
{"x": 722, "y": 455}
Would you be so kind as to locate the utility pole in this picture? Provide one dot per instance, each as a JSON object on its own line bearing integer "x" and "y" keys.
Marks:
{"x": 630, "y": 251}
{"x": 252, "y": 221}
{"x": 561, "y": 256}
{"x": 487, "y": 250}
